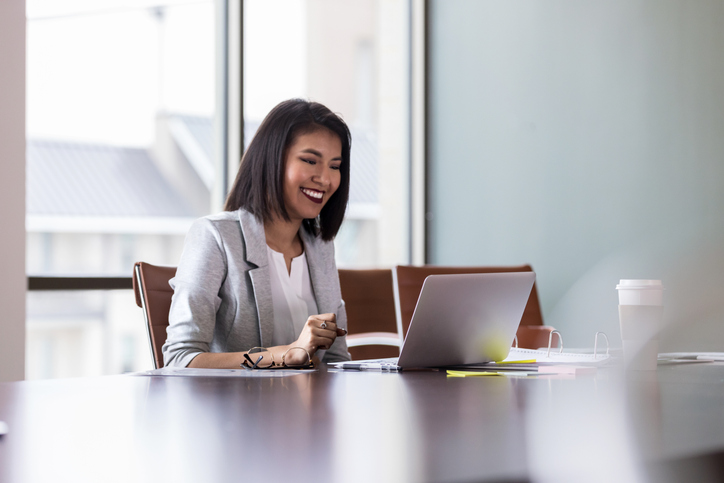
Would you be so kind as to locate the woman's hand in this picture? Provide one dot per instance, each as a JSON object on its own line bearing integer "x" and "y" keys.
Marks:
{"x": 318, "y": 333}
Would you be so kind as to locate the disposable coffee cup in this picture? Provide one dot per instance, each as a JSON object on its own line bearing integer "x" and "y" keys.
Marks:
{"x": 640, "y": 312}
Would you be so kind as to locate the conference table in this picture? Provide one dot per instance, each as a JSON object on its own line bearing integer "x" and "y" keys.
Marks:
{"x": 336, "y": 426}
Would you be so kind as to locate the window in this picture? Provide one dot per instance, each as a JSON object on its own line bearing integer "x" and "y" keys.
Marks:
{"x": 121, "y": 158}
{"x": 126, "y": 123}
{"x": 353, "y": 56}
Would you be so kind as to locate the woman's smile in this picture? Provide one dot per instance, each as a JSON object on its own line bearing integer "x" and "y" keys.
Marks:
{"x": 314, "y": 195}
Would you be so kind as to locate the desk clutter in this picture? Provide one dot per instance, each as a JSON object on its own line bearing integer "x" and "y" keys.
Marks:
{"x": 540, "y": 362}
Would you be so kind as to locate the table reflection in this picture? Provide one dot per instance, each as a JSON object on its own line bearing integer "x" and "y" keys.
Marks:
{"x": 364, "y": 426}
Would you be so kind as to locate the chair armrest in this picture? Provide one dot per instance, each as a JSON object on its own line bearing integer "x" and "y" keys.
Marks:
{"x": 374, "y": 338}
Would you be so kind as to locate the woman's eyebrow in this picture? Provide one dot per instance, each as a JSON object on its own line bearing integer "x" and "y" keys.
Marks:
{"x": 318, "y": 154}
{"x": 312, "y": 151}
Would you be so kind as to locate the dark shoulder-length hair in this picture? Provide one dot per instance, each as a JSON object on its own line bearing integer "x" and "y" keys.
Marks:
{"x": 259, "y": 184}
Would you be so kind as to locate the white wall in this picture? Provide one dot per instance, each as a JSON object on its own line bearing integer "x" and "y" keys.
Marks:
{"x": 585, "y": 138}
{"x": 12, "y": 190}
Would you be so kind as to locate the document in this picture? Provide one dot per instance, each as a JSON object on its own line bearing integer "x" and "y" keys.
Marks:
{"x": 193, "y": 372}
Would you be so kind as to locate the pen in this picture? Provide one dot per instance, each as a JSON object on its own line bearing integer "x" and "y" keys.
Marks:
{"x": 370, "y": 367}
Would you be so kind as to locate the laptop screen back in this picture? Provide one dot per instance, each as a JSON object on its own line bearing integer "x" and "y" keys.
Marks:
{"x": 465, "y": 318}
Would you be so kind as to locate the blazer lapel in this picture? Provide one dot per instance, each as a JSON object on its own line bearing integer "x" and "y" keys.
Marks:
{"x": 255, "y": 241}
{"x": 322, "y": 282}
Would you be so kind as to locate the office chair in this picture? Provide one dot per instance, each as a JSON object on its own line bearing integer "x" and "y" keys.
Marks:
{"x": 153, "y": 295}
{"x": 408, "y": 280}
{"x": 370, "y": 305}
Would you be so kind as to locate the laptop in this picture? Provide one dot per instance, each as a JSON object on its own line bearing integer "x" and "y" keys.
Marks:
{"x": 459, "y": 319}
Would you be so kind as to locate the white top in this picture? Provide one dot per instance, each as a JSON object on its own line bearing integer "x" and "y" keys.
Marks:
{"x": 292, "y": 296}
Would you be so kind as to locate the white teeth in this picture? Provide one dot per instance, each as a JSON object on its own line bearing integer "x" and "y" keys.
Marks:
{"x": 313, "y": 194}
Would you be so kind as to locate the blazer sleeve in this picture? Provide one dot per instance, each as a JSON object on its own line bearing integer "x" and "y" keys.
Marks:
{"x": 199, "y": 276}
{"x": 338, "y": 352}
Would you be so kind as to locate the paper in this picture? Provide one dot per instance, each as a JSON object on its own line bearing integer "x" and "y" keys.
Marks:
{"x": 193, "y": 372}
{"x": 540, "y": 373}
{"x": 543, "y": 356}
{"x": 566, "y": 369}
{"x": 696, "y": 356}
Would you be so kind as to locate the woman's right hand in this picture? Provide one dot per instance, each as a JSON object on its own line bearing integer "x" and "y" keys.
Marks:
{"x": 318, "y": 333}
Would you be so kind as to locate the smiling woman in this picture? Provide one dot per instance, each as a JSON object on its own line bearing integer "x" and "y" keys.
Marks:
{"x": 261, "y": 277}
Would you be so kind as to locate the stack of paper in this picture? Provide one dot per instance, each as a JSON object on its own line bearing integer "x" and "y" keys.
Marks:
{"x": 530, "y": 362}
{"x": 553, "y": 356}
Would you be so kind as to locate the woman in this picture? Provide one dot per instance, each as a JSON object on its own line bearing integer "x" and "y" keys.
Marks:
{"x": 262, "y": 273}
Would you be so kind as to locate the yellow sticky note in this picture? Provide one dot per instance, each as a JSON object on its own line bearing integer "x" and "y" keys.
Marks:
{"x": 527, "y": 361}
{"x": 470, "y": 373}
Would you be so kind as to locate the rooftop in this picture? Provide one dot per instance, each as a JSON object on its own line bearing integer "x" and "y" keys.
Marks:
{"x": 73, "y": 179}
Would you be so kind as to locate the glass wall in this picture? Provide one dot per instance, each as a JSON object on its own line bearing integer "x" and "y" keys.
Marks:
{"x": 354, "y": 57}
{"x": 121, "y": 143}
{"x": 120, "y": 160}
{"x": 85, "y": 333}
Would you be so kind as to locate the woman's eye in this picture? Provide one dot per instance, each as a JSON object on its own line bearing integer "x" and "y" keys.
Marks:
{"x": 309, "y": 161}
{"x": 335, "y": 167}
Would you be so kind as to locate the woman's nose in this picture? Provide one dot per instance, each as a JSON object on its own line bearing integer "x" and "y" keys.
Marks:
{"x": 321, "y": 176}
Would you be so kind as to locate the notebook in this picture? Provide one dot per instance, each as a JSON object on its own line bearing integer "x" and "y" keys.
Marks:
{"x": 460, "y": 319}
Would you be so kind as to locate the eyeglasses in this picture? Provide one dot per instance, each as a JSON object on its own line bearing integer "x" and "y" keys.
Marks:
{"x": 258, "y": 358}
{"x": 263, "y": 358}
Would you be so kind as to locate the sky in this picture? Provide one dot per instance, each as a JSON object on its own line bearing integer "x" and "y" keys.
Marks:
{"x": 99, "y": 71}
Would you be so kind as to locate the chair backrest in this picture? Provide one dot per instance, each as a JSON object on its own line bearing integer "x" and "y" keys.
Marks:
{"x": 153, "y": 295}
{"x": 408, "y": 282}
{"x": 370, "y": 305}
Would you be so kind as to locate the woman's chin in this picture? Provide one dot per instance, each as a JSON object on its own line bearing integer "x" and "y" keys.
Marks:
{"x": 308, "y": 215}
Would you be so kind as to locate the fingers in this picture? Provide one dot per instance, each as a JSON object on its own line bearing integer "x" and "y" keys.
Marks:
{"x": 323, "y": 329}
{"x": 323, "y": 321}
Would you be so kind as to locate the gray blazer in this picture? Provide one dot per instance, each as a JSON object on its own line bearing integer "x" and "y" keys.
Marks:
{"x": 222, "y": 298}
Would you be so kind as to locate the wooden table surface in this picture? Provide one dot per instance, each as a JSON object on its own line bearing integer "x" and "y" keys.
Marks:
{"x": 363, "y": 426}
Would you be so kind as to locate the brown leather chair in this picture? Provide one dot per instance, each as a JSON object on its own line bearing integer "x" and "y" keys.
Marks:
{"x": 371, "y": 321}
{"x": 153, "y": 295}
{"x": 408, "y": 282}
{"x": 535, "y": 336}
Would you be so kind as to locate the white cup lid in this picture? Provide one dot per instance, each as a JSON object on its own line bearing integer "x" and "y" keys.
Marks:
{"x": 639, "y": 285}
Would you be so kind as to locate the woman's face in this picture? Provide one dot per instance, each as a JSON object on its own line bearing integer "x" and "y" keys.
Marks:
{"x": 312, "y": 173}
